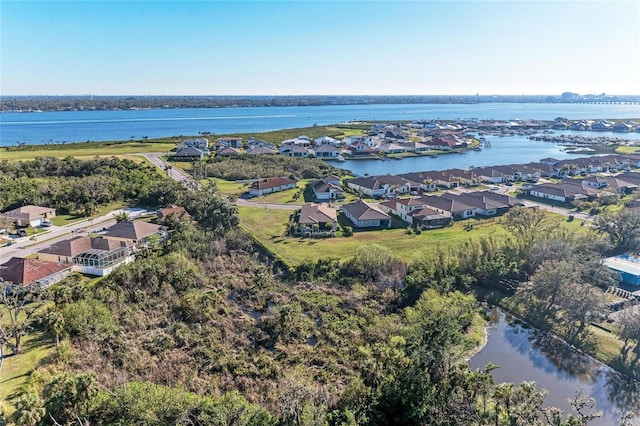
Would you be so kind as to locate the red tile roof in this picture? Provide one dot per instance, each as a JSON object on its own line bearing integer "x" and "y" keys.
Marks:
{"x": 26, "y": 271}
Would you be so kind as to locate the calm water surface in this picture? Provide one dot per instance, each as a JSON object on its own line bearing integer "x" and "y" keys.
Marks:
{"x": 526, "y": 354}
{"x": 80, "y": 126}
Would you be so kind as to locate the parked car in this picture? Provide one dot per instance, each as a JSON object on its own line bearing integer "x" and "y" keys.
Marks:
{"x": 495, "y": 188}
{"x": 22, "y": 232}
{"x": 46, "y": 223}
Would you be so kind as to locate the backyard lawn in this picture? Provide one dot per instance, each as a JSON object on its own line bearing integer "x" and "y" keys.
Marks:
{"x": 268, "y": 227}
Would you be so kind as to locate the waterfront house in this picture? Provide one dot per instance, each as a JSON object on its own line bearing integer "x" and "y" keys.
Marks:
{"x": 326, "y": 151}
{"x": 29, "y": 215}
{"x": 255, "y": 142}
{"x": 392, "y": 148}
{"x": 271, "y": 184}
{"x": 416, "y": 147}
{"x": 21, "y": 271}
{"x": 365, "y": 215}
{"x": 294, "y": 151}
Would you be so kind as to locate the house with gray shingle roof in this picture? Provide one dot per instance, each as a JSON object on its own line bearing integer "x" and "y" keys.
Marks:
{"x": 29, "y": 215}
{"x": 136, "y": 232}
{"x": 365, "y": 215}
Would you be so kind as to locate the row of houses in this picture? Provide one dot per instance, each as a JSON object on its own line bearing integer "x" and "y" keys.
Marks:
{"x": 425, "y": 212}
{"x": 569, "y": 190}
{"x": 98, "y": 256}
{"x": 387, "y": 186}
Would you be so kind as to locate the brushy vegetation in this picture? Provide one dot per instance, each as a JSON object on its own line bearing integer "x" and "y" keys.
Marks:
{"x": 263, "y": 166}
{"x": 75, "y": 186}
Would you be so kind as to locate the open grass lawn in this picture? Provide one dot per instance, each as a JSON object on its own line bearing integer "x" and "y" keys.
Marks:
{"x": 16, "y": 369}
{"x": 89, "y": 149}
{"x": 287, "y": 197}
{"x": 67, "y": 219}
{"x": 268, "y": 227}
{"x": 228, "y": 187}
{"x": 627, "y": 149}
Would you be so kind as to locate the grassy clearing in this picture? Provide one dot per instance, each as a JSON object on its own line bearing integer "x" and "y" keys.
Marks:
{"x": 85, "y": 149}
{"x": 627, "y": 149}
{"x": 37, "y": 346}
{"x": 228, "y": 187}
{"x": 68, "y": 219}
{"x": 268, "y": 227}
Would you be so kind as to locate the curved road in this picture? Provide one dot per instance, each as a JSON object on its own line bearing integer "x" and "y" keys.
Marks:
{"x": 177, "y": 174}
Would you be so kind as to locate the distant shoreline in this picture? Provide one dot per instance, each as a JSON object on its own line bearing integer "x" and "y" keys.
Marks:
{"x": 34, "y": 104}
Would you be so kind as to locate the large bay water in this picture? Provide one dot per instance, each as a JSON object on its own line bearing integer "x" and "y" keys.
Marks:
{"x": 81, "y": 126}
{"x": 526, "y": 354}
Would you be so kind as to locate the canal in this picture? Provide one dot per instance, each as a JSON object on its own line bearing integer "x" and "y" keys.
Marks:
{"x": 527, "y": 354}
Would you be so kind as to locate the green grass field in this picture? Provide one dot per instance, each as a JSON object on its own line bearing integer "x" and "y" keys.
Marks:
{"x": 86, "y": 149}
{"x": 17, "y": 368}
{"x": 627, "y": 149}
{"x": 268, "y": 227}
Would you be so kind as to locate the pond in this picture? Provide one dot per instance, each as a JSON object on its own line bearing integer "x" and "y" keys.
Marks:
{"x": 527, "y": 354}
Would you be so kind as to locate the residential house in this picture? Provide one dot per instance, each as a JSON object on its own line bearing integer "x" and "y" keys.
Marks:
{"x": 326, "y": 151}
{"x": 230, "y": 142}
{"x": 260, "y": 150}
{"x": 136, "y": 232}
{"x": 178, "y": 211}
{"x": 326, "y": 140}
{"x": 495, "y": 174}
{"x": 200, "y": 143}
{"x": 271, "y": 184}
{"x": 321, "y": 216}
{"x": 254, "y": 142}
{"x": 424, "y": 181}
{"x": 359, "y": 149}
{"x": 365, "y": 215}
{"x": 565, "y": 191}
{"x": 21, "y": 271}
{"x": 326, "y": 189}
{"x": 302, "y": 141}
{"x": 416, "y": 147}
{"x": 294, "y": 151}
{"x": 188, "y": 153}
{"x": 453, "y": 205}
{"x": 392, "y": 148}
{"x": 104, "y": 256}
{"x": 383, "y": 186}
{"x": 415, "y": 212}
{"x": 29, "y": 215}
{"x": 229, "y": 152}
{"x": 90, "y": 255}
{"x": 627, "y": 266}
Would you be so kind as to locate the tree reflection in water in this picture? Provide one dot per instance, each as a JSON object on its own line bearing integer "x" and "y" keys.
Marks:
{"x": 623, "y": 391}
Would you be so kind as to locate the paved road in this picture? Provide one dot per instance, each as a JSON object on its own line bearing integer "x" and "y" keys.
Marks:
{"x": 177, "y": 174}
{"x": 24, "y": 246}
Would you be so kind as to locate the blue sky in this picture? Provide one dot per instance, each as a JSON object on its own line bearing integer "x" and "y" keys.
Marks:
{"x": 321, "y": 47}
